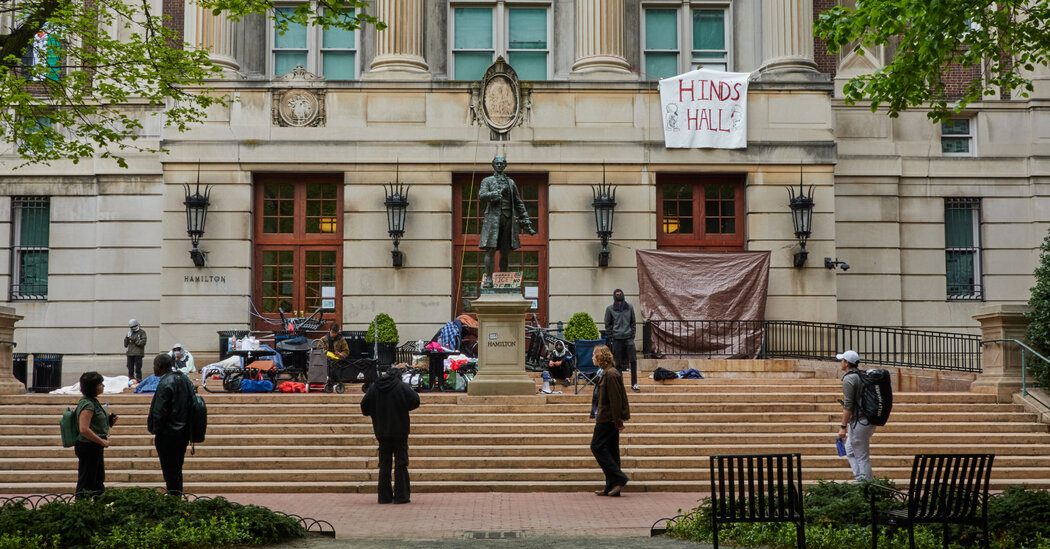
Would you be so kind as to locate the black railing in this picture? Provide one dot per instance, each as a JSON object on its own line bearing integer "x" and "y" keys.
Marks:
{"x": 811, "y": 340}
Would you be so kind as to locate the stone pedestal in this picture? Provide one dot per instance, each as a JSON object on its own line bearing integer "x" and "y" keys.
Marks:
{"x": 8, "y": 384}
{"x": 501, "y": 346}
{"x": 1001, "y": 362}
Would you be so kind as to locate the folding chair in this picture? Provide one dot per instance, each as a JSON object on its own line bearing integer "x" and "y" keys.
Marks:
{"x": 586, "y": 369}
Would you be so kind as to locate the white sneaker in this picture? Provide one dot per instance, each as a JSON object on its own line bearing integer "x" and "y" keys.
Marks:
{"x": 635, "y": 387}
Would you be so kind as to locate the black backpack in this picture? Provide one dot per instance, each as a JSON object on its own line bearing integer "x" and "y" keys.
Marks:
{"x": 875, "y": 399}
{"x": 198, "y": 418}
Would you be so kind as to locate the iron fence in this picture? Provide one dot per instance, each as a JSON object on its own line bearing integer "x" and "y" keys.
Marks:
{"x": 811, "y": 340}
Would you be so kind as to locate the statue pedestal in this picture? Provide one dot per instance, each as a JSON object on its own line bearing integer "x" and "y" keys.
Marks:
{"x": 9, "y": 385}
{"x": 501, "y": 346}
{"x": 1001, "y": 362}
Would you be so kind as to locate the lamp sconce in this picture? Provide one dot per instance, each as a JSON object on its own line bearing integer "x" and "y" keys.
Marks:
{"x": 604, "y": 206}
{"x": 829, "y": 264}
{"x": 396, "y": 205}
{"x": 196, "y": 216}
{"x": 802, "y": 218}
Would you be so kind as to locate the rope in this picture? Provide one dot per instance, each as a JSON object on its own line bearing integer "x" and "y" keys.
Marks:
{"x": 463, "y": 243}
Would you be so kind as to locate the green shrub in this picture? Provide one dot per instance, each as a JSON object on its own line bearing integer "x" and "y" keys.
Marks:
{"x": 1038, "y": 331}
{"x": 581, "y": 326}
{"x": 138, "y": 517}
{"x": 387, "y": 329}
{"x": 1020, "y": 513}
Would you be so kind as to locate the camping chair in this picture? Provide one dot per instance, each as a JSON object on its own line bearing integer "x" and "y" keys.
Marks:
{"x": 586, "y": 369}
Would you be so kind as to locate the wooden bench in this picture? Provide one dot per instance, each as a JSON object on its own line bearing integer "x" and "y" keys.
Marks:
{"x": 944, "y": 489}
{"x": 757, "y": 488}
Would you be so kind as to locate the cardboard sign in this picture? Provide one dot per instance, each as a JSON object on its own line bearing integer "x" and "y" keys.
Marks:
{"x": 705, "y": 109}
{"x": 505, "y": 280}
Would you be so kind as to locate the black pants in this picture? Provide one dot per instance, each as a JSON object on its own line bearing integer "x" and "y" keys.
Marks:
{"x": 171, "y": 449}
{"x": 135, "y": 367}
{"x": 624, "y": 353}
{"x": 393, "y": 449}
{"x": 605, "y": 445}
{"x": 91, "y": 469}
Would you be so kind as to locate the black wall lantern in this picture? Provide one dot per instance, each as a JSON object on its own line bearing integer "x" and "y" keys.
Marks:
{"x": 801, "y": 218}
{"x": 604, "y": 206}
{"x": 196, "y": 215}
{"x": 396, "y": 205}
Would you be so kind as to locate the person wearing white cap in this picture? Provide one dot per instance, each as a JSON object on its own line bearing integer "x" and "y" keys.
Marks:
{"x": 135, "y": 343}
{"x": 181, "y": 360}
{"x": 855, "y": 428}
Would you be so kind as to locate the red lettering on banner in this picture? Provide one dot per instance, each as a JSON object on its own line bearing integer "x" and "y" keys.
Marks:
{"x": 705, "y": 115}
{"x": 682, "y": 88}
{"x": 720, "y": 128}
{"x": 705, "y": 90}
{"x": 736, "y": 92}
{"x": 690, "y": 120}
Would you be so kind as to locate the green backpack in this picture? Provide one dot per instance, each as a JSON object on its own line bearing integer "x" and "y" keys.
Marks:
{"x": 70, "y": 427}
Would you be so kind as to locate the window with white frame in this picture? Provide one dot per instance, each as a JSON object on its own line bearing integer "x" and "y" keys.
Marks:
{"x": 703, "y": 29}
{"x": 30, "y": 228}
{"x": 957, "y": 137}
{"x": 520, "y": 32}
{"x": 330, "y": 53}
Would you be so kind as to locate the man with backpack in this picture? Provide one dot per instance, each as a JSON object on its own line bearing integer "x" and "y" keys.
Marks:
{"x": 860, "y": 428}
{"x": 169, "y": 420}
{"x": 388, "y": 402}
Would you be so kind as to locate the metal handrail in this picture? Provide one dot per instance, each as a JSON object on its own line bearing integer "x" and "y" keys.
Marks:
{"x": 1024, "y": 373}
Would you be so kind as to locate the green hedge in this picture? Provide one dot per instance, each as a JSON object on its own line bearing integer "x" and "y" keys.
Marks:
{"x": 838, "y": 517}
{"x": 581, "y": 326}
{"x": 138, "y": 517}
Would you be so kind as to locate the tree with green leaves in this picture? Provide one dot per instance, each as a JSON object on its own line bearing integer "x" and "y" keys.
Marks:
{"x": 80, "y": 79}
{"x": 1038, "y": 331}
{"x": 932, "y": 38}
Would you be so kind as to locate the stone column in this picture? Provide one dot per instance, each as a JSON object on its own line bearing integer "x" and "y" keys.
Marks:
{"x": 399, "y": 48}
{"x": 1001, "y": 362}
{"x": 787, "y": 36}
{"x": 9, "y": 385}
{"x": 600, "y": 41}
{"x": 501, "y": 346}
{"x": 218, "y": 35}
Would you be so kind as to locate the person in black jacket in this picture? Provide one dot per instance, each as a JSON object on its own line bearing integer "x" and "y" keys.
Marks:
{"x": 169, "y": 420}
{"x": 619, "y": 331}
{"x": 388, "y": 402}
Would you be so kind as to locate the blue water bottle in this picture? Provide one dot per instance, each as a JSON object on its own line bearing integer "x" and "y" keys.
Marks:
{"x": 840, "y": 445}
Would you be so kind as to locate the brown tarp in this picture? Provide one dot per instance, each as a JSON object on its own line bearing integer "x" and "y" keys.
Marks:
{"x": 704, "y": 287}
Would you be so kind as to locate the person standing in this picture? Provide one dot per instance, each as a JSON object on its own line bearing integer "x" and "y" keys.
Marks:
{"x": 93, "y": 424}
{"x": 855, "y": 428}
{"x": 169, "y": 420}
{"x": 388, "y": 402}
{"x": 619, "y": 330}
{"x": 612, "y": 411}
{"x": 135, "y": 345}
{"x": 182, "y": 360}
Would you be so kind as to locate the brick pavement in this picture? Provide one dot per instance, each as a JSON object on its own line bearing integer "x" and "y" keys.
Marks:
{"x": 453, "y": 515}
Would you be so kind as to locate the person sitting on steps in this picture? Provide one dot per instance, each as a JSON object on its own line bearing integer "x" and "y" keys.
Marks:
{"x": 559, "y": 365}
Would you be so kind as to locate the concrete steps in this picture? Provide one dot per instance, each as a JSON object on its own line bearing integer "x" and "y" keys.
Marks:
{"x": 320, "y": 443}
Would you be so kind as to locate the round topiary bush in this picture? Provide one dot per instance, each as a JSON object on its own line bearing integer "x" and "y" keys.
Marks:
{"x": 581, "y": 326}
{"x": 387, "y": 329}
{"x": 1038, "y": 332}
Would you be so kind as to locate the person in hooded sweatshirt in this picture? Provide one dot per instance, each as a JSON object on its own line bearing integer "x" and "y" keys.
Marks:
{"x": 619, "y": 331}
{"x": 388, "y": 402}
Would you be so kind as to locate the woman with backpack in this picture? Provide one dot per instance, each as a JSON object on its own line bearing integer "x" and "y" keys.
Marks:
{"x": 94, "y": 426}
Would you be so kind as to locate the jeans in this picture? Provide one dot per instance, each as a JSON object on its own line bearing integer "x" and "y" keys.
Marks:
{"x": 624, "y": 353}
{"x": 393, "y": 449}
{"x": 858, "y": 450}
{"x": 605, "y": 445}
{"x": 171, "y": 449}
{"x": 135, "y": 367}
{"x": 91, "y": 469}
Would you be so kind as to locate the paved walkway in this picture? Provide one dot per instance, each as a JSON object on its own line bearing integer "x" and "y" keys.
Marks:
{"x": 469, "y": 516}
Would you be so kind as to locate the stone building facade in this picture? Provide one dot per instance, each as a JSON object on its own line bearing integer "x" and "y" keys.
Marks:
{"x": 934, "y": 221}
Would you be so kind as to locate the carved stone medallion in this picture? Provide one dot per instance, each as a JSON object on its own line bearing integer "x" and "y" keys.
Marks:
{"x": 498, "y": 101}
{"x": 301, "y": 103}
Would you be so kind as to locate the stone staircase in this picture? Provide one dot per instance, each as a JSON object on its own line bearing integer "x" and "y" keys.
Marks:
{"x": 320, "y": 443}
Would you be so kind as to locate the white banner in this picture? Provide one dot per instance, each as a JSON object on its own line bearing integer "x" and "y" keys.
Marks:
{"x": 705, "y": 109}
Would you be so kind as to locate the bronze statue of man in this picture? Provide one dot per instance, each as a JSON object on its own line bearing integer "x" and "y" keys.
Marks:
{"x": 504, "y": 212}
